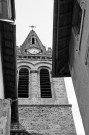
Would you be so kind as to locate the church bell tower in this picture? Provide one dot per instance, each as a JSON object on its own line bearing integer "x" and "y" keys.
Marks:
{"x": 43, "y": 103}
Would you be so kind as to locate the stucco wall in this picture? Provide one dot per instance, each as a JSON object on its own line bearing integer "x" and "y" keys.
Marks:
{"x": 5, "y": 116}
{"x": 80, "y": 69}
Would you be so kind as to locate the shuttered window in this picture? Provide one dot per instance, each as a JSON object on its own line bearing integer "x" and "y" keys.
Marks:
{"x": 8, "y": 57}
{"x": 45, "y": 84}
{"x": 23, "y": 85}
{"x": 77, "y": 16}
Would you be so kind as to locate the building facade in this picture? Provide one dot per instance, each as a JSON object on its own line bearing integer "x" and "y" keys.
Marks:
{"x": 42, "y": 100}
{"x": 8, "y": 79}
{"x": 71, "y": 47}
{"x": 79, "y": 59}
{"x": 7, "y": 10}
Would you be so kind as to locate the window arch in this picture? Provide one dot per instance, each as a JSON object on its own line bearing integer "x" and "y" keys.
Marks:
{"x": 45, "y": 84}
{"x": 23, "y": 84}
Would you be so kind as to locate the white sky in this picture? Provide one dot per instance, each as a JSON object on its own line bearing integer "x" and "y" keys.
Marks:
{"x": 40, "y": 14}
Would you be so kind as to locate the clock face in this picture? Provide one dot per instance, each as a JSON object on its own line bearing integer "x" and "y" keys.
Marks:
{"x": 34, "y": 51}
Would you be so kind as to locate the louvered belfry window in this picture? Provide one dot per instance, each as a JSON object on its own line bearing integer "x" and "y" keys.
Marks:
{"x": 33, "y": 40}
{"x": 45, "y": 84}
{"x": 23, "y": 85}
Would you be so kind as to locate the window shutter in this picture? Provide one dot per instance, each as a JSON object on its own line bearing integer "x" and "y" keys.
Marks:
{"x": 13, "y": 9}
{"x": 8, "y": 56}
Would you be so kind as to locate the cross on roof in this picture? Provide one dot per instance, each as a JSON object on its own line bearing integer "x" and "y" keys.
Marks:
{"x": 32, "y": 27}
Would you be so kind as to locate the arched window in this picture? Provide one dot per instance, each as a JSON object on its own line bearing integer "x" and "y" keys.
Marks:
{"x": 45, "y": 84}
{"x": 33, "y": 40}
{"x": 23, "y": 85}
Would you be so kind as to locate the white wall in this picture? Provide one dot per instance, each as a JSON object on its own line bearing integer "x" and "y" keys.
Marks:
{"x": 1, "y": 77}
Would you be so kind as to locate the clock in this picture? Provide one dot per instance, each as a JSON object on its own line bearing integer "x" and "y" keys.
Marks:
{"x": 34, "y": 51}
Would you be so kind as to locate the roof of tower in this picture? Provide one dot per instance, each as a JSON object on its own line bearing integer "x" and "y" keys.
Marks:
{"x": 28, "y": 43}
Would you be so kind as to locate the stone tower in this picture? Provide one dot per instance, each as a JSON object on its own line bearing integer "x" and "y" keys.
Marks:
{"x": 43, "y": 103}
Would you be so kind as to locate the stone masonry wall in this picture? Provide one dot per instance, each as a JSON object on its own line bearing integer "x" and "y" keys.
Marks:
{"x": 59, "y": 95}
{"x": 46, "y": 116}
{"x": 47, "y": 119}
